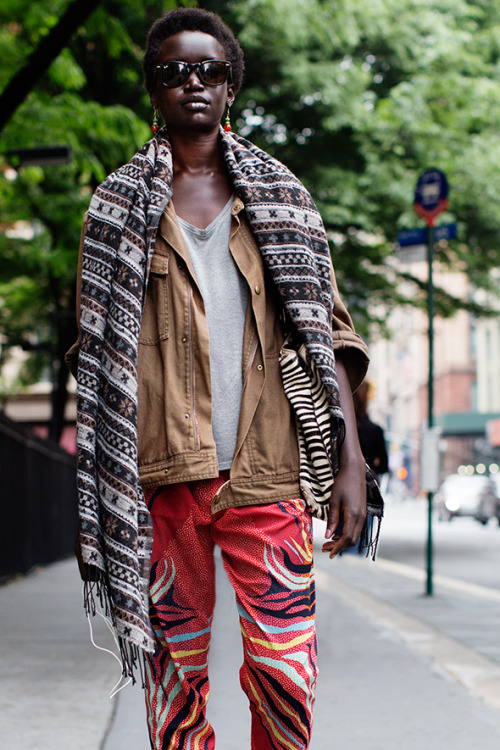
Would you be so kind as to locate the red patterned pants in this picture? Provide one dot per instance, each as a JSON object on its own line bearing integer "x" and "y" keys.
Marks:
{"x": 267, "y": 554}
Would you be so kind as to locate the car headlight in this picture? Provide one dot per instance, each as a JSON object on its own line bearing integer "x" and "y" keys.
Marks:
{"x": 452, "y": 504}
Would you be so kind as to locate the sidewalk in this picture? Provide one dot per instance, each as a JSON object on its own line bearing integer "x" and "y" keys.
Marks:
{"x": 397, "y": 672}
{"x": 53, "y": 683}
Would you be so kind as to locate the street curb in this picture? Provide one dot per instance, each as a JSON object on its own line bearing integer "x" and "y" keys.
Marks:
{"x": 474, "y": 672}
{"x": 464, "y": 587}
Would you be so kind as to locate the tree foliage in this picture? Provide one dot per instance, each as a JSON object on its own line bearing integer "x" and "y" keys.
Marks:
{"x": 91, "y": 99}
{"x": 358, "y": 97}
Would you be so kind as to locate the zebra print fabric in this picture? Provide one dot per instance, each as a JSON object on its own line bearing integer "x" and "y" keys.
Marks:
{"x": 306, "y": 393}
{"x": 304, "y": 390}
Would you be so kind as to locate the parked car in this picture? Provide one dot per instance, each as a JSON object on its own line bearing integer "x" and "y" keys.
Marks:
{"x": 461, "y": 495}
{"x": 496, "y": 481}
{"x": 489, "y": 502}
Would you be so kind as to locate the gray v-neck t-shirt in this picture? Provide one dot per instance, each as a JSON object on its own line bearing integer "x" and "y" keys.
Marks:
{"x": 225, "y": 296}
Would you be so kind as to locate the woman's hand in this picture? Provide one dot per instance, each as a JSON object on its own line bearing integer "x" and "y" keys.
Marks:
{"x": 348, "y": 506}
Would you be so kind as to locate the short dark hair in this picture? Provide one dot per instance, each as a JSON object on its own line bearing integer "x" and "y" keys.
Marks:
{"x": 192, "y": 19}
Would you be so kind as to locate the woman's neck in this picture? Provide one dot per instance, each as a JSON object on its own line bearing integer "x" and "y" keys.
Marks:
{"x": 201, "y": 184}
{"x": 196, "y": 155}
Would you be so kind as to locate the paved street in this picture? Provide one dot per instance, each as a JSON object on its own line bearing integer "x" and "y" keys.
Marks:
{"x": 397, "y": 669}
{"x": 463, "y": 548}
{"x": 466, "y": 601}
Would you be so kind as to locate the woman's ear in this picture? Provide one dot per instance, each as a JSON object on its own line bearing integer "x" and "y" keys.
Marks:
{"x": 230, "y": 94}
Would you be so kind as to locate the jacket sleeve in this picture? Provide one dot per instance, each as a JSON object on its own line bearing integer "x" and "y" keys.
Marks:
{"x": 346, "y": 342}
{"x": 71, "y": 356}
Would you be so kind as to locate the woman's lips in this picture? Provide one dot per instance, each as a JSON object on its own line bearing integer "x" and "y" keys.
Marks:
{"x": 195, "y": 104}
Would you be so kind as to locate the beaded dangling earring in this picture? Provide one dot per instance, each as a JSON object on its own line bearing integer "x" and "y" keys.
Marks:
{"x": 227, "y": 122}
{"x": 156, "y": 119}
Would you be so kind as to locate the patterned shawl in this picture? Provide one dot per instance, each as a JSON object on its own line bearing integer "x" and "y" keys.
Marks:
{"x": 119, "y": 242}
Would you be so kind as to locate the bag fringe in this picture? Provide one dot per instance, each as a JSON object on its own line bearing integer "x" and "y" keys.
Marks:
{"x": 368, "y": 541}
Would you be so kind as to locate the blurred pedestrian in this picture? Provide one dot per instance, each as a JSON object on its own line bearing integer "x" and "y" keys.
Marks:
{"x": 192, "y": 254}
{"x": 371, "y": 435}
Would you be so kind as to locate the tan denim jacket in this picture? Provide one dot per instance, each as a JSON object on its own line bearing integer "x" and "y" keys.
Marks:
{"x": 174, "y": 414}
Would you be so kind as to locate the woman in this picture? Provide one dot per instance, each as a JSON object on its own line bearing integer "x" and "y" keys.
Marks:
{"x": 193, "y": 254}
{"x": 371, "y": 435}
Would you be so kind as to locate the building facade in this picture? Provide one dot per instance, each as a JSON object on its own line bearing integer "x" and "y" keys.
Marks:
{"x": 466, "y": 393}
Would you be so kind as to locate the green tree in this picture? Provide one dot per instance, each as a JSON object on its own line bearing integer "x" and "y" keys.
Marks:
{"x": 92, "y": 100}
{"x": 358, "y": 97}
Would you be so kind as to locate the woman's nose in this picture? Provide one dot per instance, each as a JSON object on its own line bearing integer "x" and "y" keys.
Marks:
{"x": 194, "y": 81}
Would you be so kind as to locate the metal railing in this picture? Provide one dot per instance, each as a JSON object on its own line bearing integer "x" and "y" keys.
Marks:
{"x": 38, "y": 507}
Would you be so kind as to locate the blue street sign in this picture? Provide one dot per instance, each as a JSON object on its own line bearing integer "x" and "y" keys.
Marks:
{"x": 408, "y": 237}
{"x": 431, "y": 194}
{"x": 446, "y": 232}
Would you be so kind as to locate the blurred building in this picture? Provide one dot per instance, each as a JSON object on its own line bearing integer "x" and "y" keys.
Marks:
{"x": 488, "y": 367}
{"x": 466, "y": 380}
{"x": 488, "y": 364}
{"x": 31, "y": 406}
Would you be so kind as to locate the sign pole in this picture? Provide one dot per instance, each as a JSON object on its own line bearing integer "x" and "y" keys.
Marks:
{"x": 431, "y": 199}
{"x": 429, "y": 587}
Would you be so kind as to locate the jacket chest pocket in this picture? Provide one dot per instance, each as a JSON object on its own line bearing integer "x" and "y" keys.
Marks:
{"x": 154, "y": 323}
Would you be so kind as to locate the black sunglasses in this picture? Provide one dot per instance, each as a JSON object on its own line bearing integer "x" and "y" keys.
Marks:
{"x": 210, "y": 72}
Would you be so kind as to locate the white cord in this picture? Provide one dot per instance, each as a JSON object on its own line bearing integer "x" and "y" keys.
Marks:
{"x": 117, "y": 688}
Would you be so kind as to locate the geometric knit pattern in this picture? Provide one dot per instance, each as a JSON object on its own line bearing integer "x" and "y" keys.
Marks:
{"x": 121, "y": 228}
{"x": 292, "y": 240}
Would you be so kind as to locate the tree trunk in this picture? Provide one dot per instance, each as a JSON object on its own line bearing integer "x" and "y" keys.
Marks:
{"x": 64, "y": 332}
{"x": 41, "y": 58}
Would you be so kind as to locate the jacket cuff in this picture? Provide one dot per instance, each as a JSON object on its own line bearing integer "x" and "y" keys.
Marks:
{"x": 354, "y": 353}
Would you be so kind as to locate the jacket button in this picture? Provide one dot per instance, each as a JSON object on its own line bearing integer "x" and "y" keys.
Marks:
{"x": 184, "y": 339}
{"x": 257, "y": 289}
{"x": 260, "y": 368}
{"x": 186, "y": 416}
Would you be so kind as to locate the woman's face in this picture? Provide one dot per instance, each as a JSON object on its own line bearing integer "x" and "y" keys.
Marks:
{"x": 194, "y": 105}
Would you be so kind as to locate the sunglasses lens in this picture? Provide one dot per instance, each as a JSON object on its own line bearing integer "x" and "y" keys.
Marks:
{"x": 213, "y": 72}
{"x": 174, "y": 74}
